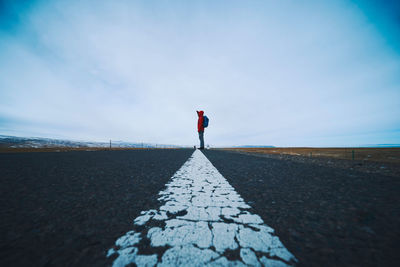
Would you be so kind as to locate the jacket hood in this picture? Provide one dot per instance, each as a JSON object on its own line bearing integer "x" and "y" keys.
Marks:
{"x": 200, "y": 113}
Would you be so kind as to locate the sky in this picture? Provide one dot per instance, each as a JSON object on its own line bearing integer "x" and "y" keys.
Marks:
{"x": 282, "y": 73}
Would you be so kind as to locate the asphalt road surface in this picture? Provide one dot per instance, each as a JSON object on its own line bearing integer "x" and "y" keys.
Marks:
{"x": 177, "y": 207}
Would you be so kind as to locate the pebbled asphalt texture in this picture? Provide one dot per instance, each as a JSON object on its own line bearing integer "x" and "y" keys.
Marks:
{"x": 68, "y": 208}
{"x": 325, "y": 216}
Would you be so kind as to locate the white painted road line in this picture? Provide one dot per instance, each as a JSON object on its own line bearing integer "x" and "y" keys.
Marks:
{"x": 202, "y": 222}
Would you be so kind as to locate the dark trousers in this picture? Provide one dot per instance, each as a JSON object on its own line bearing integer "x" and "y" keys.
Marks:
{"x": 201, "y": 137}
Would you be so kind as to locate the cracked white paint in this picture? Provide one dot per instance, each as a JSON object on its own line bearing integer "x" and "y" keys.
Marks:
{"x": 200, "y": 220}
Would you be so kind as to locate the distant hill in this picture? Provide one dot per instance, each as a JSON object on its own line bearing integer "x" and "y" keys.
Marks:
{"x": 382, "y": 145}
{"x": 39, "y": 142}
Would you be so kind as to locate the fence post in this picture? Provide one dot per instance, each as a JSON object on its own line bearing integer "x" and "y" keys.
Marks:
{"x": 352, "y": 154}
{"x": 110, "y": 143}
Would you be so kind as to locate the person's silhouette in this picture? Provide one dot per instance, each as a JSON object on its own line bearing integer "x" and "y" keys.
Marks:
{"x": 200, "y": 127}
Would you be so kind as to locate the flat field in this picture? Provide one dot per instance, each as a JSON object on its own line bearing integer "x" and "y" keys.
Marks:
{"x": 352, "y": 153}
{"x": 65, "y": 149}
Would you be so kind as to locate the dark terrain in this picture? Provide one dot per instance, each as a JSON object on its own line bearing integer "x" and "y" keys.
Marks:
{"x": 325, "y": 216}
{"x": 68, "y": 208}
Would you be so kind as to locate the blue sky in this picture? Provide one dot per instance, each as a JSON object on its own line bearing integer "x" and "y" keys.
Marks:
{"x": 284, "y": 73}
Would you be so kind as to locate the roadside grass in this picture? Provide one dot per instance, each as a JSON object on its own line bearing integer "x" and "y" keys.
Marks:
{"x": 66, "y": 149}
{"x": 390, "y": 154}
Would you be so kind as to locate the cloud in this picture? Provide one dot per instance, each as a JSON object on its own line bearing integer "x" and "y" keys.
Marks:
{"x": 287, "y": 74}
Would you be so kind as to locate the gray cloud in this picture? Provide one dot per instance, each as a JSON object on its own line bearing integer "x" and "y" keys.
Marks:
{"x": 288, "y": 74}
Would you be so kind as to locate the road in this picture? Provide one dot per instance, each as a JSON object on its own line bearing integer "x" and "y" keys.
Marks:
{"x": 77, "y": 208}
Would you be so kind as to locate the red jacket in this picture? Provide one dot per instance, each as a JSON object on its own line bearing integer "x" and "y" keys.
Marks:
{"x": 200, "y": 127}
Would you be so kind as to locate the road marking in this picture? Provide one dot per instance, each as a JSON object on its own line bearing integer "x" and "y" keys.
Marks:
{"x": 203, "y": 221}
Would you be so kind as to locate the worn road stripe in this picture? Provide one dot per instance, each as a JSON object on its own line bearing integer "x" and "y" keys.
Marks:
{"x": 203, "y": 221}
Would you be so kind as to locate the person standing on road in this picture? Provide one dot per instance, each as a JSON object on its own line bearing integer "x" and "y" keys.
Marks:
{"x": 200, "y": 127}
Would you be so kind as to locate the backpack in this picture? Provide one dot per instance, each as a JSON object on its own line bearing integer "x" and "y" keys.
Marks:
{"x": 205, "y": 121}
